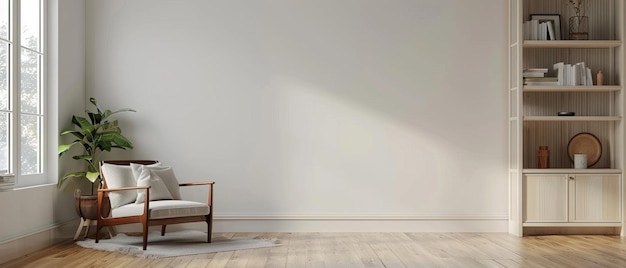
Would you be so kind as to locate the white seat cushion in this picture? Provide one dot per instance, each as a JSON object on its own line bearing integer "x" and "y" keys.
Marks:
{"x": 163, "y": 209}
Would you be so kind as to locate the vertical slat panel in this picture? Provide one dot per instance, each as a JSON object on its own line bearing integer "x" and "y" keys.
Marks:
{"x": 600, "y": 13}
{"x": 596, "y": 198}
{"x": 556, "y": 136}
{"x": 545, "y": 198}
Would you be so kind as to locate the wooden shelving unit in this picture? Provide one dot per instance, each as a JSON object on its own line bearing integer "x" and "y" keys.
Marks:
{"x": 533, "y": 121}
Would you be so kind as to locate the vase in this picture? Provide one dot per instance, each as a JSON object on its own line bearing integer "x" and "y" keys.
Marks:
{"x": 87, "y": 206}
{"x": 579, "y": 28}
{"x": 543, "y": 157}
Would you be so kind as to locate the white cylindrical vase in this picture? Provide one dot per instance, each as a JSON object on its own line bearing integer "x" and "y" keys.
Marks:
{"x": 580, "y": 161}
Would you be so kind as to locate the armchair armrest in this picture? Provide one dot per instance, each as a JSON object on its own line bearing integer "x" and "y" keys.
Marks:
{"x": 104, "y": 192}
{"x": 123, "y": 189}
{"x": 209, "y": 183}
{"x": 196, "y": 183}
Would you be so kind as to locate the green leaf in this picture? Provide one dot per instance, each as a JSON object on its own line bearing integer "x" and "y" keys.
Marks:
{"x": 95, "y": 118}
{"x": 63, "y": 148}
{"x": 92, "y": 176}
{"x": 83, "y": 123}
{"x": 123, "y": 110}
{"x": 70, "y": 175}
{"x": 83, "y": 157}
{"x": 123, "y": 142}
{"x": 105, "y": 146}
{"x": 117, "y": 139}
{"x": 106, "y": 113}
{"x": 93, "y": 101}
{"x": 76, "y": 133}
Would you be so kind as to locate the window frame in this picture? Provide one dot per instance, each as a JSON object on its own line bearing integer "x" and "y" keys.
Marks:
{"x": 15, "y": 93}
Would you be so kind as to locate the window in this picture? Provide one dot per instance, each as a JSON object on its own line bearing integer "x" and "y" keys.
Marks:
{"x": 22, "y": 88}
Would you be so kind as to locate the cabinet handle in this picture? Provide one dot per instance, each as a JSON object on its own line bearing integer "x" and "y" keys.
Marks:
{"x": 571, "y": 178}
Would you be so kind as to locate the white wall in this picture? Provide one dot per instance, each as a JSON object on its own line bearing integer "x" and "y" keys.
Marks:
{"x": 315, "y": 110}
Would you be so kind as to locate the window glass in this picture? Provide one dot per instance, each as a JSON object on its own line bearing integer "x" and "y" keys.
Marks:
{"x": 30, "y": 145}
{"x": 30, "y": 82}
{"x": 4, "y": 142}
{"x": 4, "y": 19}
{"x": 30, "y": 24}
{"x": 4, "y": 76}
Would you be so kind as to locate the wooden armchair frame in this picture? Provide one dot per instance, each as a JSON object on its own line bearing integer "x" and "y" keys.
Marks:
{"x": 144, "y": 218}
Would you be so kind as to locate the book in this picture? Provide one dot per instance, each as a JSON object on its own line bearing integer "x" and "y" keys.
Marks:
{"x": 551, "y": 34}
{"x": 534, "y": 30}
{"x": 541, "y": 79}
{"x": 577, "y": 74}
{"x": 542, "y": 83}
{"x": 581, "y": 74}
{"x": 533, "y": 74}
{"x": 570, "y": 78}
{"x": 558, "y": 67}
{"x": 536, "y": 70}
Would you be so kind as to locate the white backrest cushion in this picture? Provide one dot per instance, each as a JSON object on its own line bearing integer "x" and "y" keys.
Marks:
{"x": 158, "y": 190}
{"x": 165, "y": 173}
{"x": 118, "y": 176}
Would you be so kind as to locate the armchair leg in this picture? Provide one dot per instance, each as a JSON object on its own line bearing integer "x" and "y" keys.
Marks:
{"x": 163, "y": 229}
{"x": 145, "y": 236}
{"x": 209, "y": 226}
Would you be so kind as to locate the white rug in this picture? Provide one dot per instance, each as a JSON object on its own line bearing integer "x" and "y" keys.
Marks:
{"x": 174, "y": 244}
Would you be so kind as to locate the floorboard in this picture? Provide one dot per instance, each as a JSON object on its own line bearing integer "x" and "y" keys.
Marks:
{"x": 367, "y": 250}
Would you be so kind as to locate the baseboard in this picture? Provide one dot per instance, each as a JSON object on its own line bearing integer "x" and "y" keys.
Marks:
{"x": 359, "y": 224}
{"x": 22, "y": 245}
{"x": 530, "y": 231}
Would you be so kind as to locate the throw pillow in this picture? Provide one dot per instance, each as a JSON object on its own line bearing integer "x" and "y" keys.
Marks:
{"x": 118, "y": 176}
{"x": 165, "y": 173}
{"x": 158, "y": 190}
{"x": 135, "y": 168}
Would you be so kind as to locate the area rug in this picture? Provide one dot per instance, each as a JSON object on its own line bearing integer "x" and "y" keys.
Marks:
{"x": 189, "y": 242}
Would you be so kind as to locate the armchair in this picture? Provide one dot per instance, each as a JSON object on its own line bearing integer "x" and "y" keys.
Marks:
{"x": 144, "y": 191}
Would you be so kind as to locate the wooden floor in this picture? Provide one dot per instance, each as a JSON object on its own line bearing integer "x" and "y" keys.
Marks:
{"x": 369, "y": 250}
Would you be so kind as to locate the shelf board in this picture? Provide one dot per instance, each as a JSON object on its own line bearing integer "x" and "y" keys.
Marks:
{"x": 571, "y": 88}
{"x": 572, "y": 43}
{"x": 571, "y": 171}
{"x": 572, "y": 118}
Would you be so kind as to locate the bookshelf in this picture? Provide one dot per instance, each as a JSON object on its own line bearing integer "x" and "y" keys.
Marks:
{"x": 561, "y": 199}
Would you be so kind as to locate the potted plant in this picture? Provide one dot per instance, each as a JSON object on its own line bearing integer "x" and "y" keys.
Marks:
{"x": 95, "y": 134}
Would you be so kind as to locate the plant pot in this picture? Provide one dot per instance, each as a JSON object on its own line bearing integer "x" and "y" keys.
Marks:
{"x": 87, "y": 206}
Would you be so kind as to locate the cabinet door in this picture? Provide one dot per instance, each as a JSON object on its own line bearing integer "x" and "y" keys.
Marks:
{"x": 595, "y": 198}
{"x": 545, "y": 198}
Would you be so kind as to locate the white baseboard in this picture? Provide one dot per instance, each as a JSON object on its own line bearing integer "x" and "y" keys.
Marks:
{"x": 383, "y": 223}
{"x": 28, "y": 243}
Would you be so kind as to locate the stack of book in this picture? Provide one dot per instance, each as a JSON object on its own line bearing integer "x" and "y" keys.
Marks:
{"x": 537, "y": 77}
{"x": 573, "y": 74}
{"x": 535, "y": 30}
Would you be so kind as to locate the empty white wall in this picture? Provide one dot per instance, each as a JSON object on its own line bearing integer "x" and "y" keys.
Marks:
{"x": 348, "y": 110}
